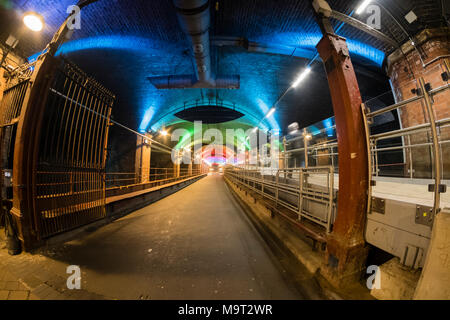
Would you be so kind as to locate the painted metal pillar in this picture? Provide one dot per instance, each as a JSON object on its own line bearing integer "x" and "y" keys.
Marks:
{"x": 346, "y": 251}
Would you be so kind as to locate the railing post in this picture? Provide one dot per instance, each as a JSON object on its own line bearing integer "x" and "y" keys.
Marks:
{"x": 305, "y": 143}
{"x": 300, "y": 194}
{"x": 262, "y": 184}
{"x": 435, "y": 145}
{"x": 277, "y": 187}
{"x": 364, "y": 111}
{"x": 332, "y": 156}
{"x": 331, "y": 190}
{"x": 375, "y": 152}
{"x": 411, "y": 168}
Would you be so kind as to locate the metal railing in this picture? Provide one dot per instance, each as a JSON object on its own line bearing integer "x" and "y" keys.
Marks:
{"x": 417, "y": 150}
{"x": 306, "y": 192}
{"x": 160, "y": 175}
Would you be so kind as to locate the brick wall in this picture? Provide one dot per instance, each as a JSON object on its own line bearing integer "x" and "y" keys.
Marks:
{"x": 405, "y": 69}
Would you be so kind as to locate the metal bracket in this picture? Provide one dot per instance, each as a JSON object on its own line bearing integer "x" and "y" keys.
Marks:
{"x": 364, "y": 27}
{"x": 424, "y": 215}
{"x": 441, "y": 189}
{"x": 378, "y": 205}
{"x": 417, "y": 91}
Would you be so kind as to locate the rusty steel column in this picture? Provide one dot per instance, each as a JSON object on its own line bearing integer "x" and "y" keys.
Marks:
{"x": 346, "y": 251}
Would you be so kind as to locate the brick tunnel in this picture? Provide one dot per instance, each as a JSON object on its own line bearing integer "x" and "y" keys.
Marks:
{"x": 224, "y": 150}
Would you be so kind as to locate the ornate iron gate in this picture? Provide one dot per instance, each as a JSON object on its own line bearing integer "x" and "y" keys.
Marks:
{"x": 69, "y": 188}
{"x": 54, "y": 122}
{"x": 18, "y": 82}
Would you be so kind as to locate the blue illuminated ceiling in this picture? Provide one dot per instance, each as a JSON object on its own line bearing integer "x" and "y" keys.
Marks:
{"x": 121, "y": 43}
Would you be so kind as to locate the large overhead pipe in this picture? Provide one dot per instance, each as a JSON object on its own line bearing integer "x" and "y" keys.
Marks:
{"x": 189, "y": 82}
{"x": 194, "y": 19}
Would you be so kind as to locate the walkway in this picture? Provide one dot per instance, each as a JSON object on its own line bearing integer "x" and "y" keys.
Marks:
{"x": 194, "y": 244}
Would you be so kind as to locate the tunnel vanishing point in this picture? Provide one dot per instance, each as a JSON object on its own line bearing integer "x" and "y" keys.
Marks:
{"x": 200, "y": 149}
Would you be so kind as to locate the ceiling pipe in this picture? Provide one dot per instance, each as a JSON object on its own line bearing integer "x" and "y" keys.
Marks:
{"x": 194, "y": 19}
{"x": 189, "y": 82}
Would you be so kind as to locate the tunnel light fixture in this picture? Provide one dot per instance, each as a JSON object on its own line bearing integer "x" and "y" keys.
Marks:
{"x": 271, "y": 111}
{"x": 164, "y": 132}
{"x": 362, "y": 6}
{"x": 33, "y": 21}
{"x": 307, "y": 135}
{"x": 301, "y": 77}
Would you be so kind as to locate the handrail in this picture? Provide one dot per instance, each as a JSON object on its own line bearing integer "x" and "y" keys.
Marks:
{"x": 302, "y": 191}
{"x": 427, "y": 133}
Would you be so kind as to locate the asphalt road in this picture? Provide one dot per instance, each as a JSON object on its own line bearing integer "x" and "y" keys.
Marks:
{"x": 194, "y": 244}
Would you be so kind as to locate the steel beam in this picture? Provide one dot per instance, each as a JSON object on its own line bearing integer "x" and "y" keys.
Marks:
{"x": 365, "y": 28}
{"x": 346, "y": 252}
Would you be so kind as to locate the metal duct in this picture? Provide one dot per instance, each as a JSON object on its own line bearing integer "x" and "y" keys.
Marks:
{"x": 194, "y": 18}
{"x": 189, "y": 82}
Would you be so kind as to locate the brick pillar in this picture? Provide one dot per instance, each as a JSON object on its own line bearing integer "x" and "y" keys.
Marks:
{"x": 176, "y": 170}
{"x": 404, "y": 69}
{"x": 143, "y": 157}
{"x": 176, "y": 166}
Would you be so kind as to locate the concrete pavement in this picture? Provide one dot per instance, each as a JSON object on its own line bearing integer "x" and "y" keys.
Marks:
{"x": 194, "y": 244}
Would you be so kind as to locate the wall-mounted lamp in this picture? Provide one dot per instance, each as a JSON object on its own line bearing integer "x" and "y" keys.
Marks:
{"x": 33, "y": 21}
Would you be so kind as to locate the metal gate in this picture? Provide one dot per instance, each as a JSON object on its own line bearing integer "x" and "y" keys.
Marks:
{"x": 17, "y": 85}
{"x": 54, "y": 122}
{"x": 70, "y": 176}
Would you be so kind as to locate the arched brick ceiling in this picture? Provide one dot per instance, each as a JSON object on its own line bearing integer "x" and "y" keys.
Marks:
{"x": 122, "y": 42}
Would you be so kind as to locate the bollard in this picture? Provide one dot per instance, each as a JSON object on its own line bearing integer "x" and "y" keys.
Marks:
{"x": 12, "y": 242}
